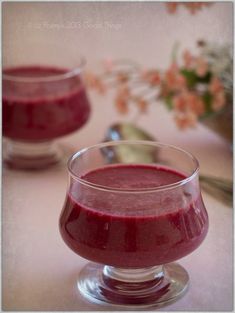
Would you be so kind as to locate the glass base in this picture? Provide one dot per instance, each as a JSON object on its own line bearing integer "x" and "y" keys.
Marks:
{"x": 24, "y": 155}
{"x": 133, "y": 288}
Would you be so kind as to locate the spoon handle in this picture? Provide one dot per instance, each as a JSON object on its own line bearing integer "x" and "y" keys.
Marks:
{"x": 219, "y": 187}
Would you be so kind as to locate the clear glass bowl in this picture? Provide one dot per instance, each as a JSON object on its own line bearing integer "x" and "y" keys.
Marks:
{"x": 132, "y": 221}
{"x": 44, "y": 98}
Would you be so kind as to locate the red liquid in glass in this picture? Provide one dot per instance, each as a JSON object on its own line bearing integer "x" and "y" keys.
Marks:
{"x": 42, "y": 110}
{"x": 131, "y": 231}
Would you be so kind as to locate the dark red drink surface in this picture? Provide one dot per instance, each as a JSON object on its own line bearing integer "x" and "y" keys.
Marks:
{"x": 132, "y": 230}
{"x": 39, "y": 110}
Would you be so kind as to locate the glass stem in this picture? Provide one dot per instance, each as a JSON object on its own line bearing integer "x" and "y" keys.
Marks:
{"x": 133, "y": 279}
{"x": 29, "y": 155}
{"x": 31, "y": 149}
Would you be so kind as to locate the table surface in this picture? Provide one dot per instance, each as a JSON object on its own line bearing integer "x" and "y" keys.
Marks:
{"x": 39, "y": 270}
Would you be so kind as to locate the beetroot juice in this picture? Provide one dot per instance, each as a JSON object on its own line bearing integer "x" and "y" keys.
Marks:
{"x": 41, "y": 103}
{"x": 133, "y": 229}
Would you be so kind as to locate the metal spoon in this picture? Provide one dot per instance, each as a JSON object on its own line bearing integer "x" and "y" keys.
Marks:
{"x": 219, "y": 187}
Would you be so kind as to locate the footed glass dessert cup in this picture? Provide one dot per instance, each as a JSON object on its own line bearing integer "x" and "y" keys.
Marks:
{"x": 44, "y": 98}
{"x": 133, "y": 220}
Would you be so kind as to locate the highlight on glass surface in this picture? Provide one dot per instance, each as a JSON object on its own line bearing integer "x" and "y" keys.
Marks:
{"x": 44, "y": 98}
{"x": 133, "y": 220}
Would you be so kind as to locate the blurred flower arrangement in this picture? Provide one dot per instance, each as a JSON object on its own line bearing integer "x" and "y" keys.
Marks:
{"x": 193, "y": 7}
{"x": 194, "y": 87}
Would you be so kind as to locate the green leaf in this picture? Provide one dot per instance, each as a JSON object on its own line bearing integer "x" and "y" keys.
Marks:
{"x": 192, "y": 78}
{"x": 205, "y": 79}
{"x": 207, "y": 98}
{"x": 168, "y": 100}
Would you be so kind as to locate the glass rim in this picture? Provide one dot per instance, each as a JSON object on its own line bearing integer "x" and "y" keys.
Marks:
{"x": 179, "y": 183}
{"x": 68, "y": 74}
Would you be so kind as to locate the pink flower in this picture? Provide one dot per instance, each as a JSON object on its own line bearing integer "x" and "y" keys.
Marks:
{"x": 122, "y": 98}
{"x": 193, "y": 6}
{"x": 188, "y": 59}
{"x": 188, "y": 101}
{"x": 201, "y": 66}
{"x": 217, "y": 90}
{"x": 152, "y": 77}
{"x": 122, "y": 77}
{"x": 188, "y": 106}
{"x": 121, "y": 105}
{"x": 174, "y": 67}
{"x": 172, "y": 7}
{"x": 199, "y": 106}
{"x": 93, "y": 81}
{"x": 142, "y": 105}
{"x": 124, "y": 92}
{"x": 179, "y": 103}
{"x": 215, "y": 85}
{"x": 174, "y": 80}
{"x": 219, "y": 101}
{"x": 186, "y": 119}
